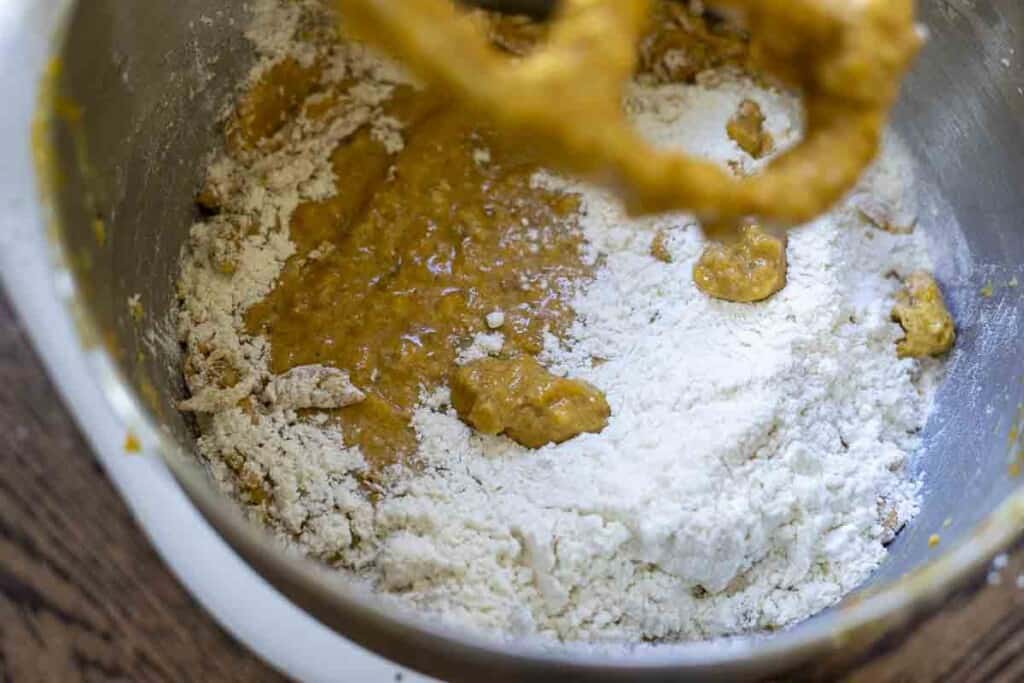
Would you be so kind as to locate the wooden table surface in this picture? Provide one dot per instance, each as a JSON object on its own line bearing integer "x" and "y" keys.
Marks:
{"x": 84, "y": 597}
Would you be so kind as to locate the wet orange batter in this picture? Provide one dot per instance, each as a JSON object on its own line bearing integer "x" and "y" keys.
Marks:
{"x": 746, "y": 129}
{"x": 417, "y": 248}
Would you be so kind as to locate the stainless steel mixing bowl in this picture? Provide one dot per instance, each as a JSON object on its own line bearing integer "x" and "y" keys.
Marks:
{"x": 133, "y": 108}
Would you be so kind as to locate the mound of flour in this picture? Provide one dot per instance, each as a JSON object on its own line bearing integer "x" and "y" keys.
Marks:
{"x": 753, "y": 466}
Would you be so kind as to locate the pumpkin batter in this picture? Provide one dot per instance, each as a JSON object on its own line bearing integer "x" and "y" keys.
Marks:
{"x": 404, "y": 264}
{"x": 268, "y": 105}
{"x": 751, "y": 269}
{"x": 746, "y": 129}
{"x": 922, "y": 313}
{"x": 521, "y": 399}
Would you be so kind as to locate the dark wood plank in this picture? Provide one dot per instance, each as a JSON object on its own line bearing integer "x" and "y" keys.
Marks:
{"x": 84, "y": 598}
{"x": 82, "y": 595}
{"x": 977, "y": 637}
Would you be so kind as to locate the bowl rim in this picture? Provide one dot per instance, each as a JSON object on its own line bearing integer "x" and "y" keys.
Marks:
{"x": 60, "y": 325}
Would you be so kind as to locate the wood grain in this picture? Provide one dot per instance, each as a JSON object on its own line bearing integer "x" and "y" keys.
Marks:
{"x": 84, "y": 598}
{"x": 82, "y": 595}
{"x": 977, "y": 637}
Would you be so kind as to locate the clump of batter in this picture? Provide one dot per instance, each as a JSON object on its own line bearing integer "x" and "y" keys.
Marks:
{"x": 750, "y": 269}
{"x": 519, "y": 398}
{"x": 485, "y": 390}
{"x": 746, "y": 128}
{"x": 659, "y": 247}
{"x": 683, "y": 44}
{"x": 921, "y": 311}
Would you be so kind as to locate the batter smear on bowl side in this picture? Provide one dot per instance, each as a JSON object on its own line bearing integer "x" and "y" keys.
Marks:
{"x": 479, "y": 387}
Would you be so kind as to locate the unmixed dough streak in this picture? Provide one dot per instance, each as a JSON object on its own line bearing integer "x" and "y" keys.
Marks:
{"x": 378, "y": 269}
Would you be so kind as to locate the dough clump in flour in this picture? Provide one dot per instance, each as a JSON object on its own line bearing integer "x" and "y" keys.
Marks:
{"x": 921, "y": 311}
{"x": 312, "y": 386}
{"x": 660, "y": 247}
{"x": 750, "y": 269}
{"x": 521, "y": 399}
{"x": 746, "y": 129}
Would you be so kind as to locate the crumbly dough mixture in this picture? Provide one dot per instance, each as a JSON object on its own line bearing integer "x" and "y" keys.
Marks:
{"x": 746, "y": 128}
{"x": 747, "y": 461}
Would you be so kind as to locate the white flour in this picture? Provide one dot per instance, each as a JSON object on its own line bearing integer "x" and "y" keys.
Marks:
{"x": 752, "y": 469}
